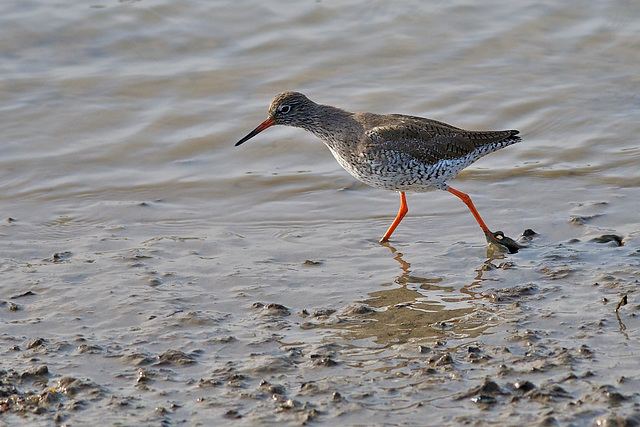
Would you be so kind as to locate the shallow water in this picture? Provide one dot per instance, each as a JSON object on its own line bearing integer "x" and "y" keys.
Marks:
{"x": 164, "y": 276}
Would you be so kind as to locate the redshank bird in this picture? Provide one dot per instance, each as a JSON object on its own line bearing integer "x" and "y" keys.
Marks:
{"x": 392, "y": 151}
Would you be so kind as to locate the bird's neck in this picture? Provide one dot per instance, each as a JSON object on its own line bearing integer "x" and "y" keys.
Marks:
{"x": 334, "y": 126}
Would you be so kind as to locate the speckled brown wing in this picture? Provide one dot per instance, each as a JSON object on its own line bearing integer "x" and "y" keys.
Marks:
{"x": 431, "y": 141}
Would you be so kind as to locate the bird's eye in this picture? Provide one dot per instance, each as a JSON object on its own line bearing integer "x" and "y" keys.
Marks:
{"x": 284, "y": 109}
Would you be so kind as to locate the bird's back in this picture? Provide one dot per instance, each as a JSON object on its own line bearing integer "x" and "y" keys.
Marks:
{"x": 431, "y": 141}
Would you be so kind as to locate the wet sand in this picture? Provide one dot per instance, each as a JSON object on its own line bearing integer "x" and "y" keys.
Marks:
{"x": 153, "y": 273}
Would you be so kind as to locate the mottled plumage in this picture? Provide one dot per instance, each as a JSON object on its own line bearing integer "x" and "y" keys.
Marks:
{"x": 393, "y": 151}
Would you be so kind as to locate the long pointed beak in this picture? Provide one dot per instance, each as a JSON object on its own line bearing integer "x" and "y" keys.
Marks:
{"x": 266, "y": 124}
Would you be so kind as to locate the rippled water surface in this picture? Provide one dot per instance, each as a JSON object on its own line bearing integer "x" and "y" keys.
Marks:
{"x": 153, "y": 273}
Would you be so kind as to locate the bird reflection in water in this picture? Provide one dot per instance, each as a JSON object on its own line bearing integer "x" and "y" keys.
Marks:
{"x": 413, "y": 308}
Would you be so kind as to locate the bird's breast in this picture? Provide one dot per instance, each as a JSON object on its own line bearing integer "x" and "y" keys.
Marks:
{"x": 389, "y": 170}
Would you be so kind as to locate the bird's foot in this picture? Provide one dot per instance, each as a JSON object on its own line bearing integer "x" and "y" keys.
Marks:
{"x": 498, "y": 238}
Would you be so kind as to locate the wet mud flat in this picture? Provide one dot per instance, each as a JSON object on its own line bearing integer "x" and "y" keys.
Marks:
{"x": 152, "y": 274}
{"x": 547, "y": 336}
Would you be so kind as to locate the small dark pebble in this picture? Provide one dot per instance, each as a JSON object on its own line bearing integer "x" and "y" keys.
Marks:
{"x": 487, "y": 388}
{"x": 524, "y": 386}
{"x": 154, "y": 281}
{"x": 309, "y": 387}
{"x": 60, "y": 256}
{"x": 232, "y": 414}
{"x": 277, "y": 309}
{"x": 484, "y": 400}
{"x": 490, "y": 387}
{"x": 272, "y": 388}
{"x": 309, "y": 262}
{"x": 528, "y": 233}
{"x": 606, "y": 238}
{"x": 35, "y": 342}
{"x": 272, "y": 308}
{"x": 585, "y": 351}
{"x": 473, "y": 349}
{"x": 142, "y": 377}
{"x": 93, "y": 349}
{"x": 336, "y": 397}
{"x": 289, "y": 404}
{"x": 615, "y": 397}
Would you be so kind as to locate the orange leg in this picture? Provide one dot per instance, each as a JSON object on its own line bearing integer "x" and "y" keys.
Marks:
{"x": 467, "y": 201}
{"x": 491, "y": 238}
{"x": 401, "y": 213}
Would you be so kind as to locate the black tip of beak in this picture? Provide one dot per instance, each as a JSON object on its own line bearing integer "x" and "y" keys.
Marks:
{"x": 266, "y": 124}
